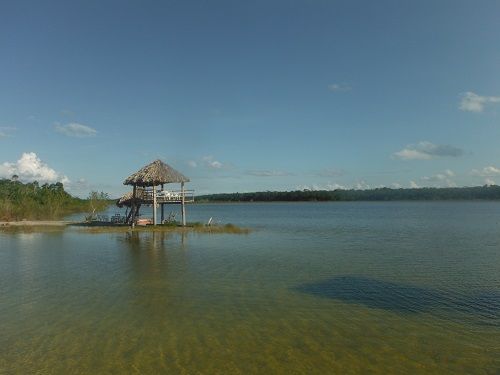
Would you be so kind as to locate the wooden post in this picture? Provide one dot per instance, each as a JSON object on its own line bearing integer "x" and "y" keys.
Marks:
{"x": 183, "y": 205}
{"x": 162, "y": 208}
{"x": 133, "y": 207}
{"x": 154, "y": 205}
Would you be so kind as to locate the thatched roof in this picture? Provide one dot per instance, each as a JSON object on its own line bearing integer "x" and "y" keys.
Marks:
{"x": 156, "y": 173}
{"x": 126, "y": 199}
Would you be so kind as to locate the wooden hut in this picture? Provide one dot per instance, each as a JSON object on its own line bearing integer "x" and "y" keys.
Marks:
{"x": 126, "y": 199}
{"x": 149, "y": 188}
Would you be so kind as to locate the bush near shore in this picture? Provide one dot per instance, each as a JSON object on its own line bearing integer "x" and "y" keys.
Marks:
{"x": 32, "y": 201}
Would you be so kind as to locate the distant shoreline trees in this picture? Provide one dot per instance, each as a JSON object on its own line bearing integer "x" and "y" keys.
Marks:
{"x": 33, "y": 201}
{"x": 488, "y": 192}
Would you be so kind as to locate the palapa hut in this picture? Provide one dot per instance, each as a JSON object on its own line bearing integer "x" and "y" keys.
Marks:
{"x": 126, "y": 199}
{"x": 145, "y": 183}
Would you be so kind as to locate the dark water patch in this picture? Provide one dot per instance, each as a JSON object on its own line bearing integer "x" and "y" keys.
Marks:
{"x": 405, "y": 298}
{"x": 484, "y": 305}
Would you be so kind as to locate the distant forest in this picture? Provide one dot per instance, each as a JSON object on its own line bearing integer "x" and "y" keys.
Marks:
{"x": 490, "y": 192}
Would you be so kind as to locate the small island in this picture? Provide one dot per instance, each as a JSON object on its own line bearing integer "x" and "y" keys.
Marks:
{"x": 33, "y": 207}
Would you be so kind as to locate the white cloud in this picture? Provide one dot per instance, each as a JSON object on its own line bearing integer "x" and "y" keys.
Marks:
{"x": 330, "y": 173}
{"x": 449, "y": 173}
{"x": 426, "y": 150}
{"x": 78, "y": 187}
{"x": 396, "y": 185}
{"x": 30, "y": 168}
{"x": 76, "y": 130}
{"x": 5, "y": 131}
{"x": 362, "y": 185}
{"x": 335, "y": 186}
{"x": 410, "y": 154}
{"x": 489, "y": 171}
{"x": 489, "y": 181}
{"x": 210, "y": 162}
{"x": 66, "y": 112}
{"x": 315, "y": 187}
{"x": 414, "y": 185}
{"x": 472, "y": 102}
{"x": 339, "y": 87}
{"x": 268, "y": 173}
{"x": 440, "y": 176}
{"x": 440, "y": 179}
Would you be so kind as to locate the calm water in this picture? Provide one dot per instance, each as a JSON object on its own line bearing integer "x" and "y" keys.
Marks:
{"x": 341, "y": 288}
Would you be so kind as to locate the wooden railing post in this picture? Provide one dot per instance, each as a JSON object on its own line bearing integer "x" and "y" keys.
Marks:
{"x": 162, "y": 207}
{"x": 154, "y": 205}
{"x": 183, "y": 205}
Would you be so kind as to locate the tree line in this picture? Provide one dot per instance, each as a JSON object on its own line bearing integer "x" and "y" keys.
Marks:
{"x": 487, "y": 192}
{"x": 33, "y": 201}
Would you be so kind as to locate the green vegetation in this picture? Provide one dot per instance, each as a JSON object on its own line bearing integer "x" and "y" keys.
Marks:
{"x": 31, "y": 201}
{"x": 95, "y": 227}
{"x": 170, "y": 228}
{"x": 382, "y": 194}
{"x": 97, "y": 202}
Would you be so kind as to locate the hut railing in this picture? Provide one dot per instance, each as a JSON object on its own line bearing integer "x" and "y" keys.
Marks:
{"x": 169, "y": 196}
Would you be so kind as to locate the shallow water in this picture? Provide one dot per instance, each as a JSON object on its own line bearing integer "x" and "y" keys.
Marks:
{"x": 315, "y": 288}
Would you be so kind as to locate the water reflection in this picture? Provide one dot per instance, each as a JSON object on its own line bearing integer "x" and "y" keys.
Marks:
{"x": 157, "y": 267}
{"x": 404, "y": 298}
{"x": 147, "y": 241}
{"x": 158, "y": 258}
{"x": 147, "y": 252}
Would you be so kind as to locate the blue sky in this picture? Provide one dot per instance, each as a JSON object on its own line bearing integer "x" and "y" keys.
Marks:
{"x": 246, "y": 96}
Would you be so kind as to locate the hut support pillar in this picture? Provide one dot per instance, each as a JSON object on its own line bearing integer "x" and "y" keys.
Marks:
{"x": 183, "y": 204}
{"x": 133, "y": 211}
{"x": 162, "y": 209}
{"x": 154, "y": 205}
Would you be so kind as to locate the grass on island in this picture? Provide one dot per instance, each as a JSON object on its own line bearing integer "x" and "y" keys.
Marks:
{"x": 173, "y": 227}
{"x": 123, "y": 228}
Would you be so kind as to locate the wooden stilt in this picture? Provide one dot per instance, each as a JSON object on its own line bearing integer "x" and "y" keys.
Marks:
{"x": 133, "y": 211}
{"x": 154, "y": 205}
{"x": 162, "y": 208}
{"x": 183, "y": 205}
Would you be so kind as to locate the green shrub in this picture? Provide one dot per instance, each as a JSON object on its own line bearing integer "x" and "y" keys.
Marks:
{"x": 31, "y": 201}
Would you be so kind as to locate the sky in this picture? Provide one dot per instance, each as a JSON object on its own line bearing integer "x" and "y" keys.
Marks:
{"x": 247, "y": 96}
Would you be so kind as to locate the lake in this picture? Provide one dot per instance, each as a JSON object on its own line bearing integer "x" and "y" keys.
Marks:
{"x": 315, "y": 288}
